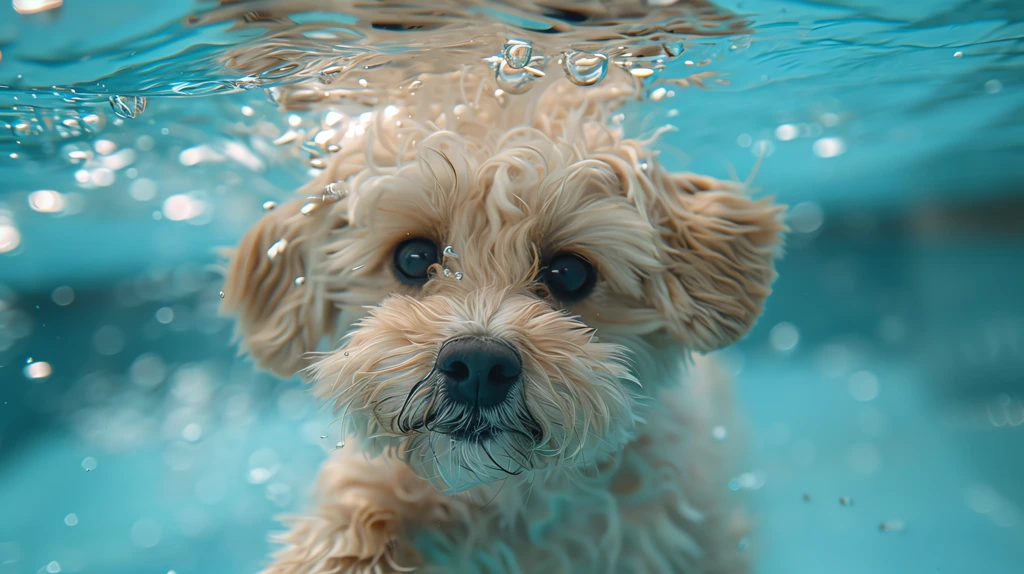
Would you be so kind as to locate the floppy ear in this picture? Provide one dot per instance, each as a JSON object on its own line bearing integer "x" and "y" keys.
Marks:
{"x": 281, "y": 319}
{"x": 719, "y": 247}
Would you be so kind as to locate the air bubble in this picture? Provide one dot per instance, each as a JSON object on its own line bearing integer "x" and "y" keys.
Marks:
{"x": 277, "y": 248}
{"x": 221, "y": 294}
{"x": 447, "y": 272}
{"x": 328, "y": 74}
{"x": 672, "y": 49}
{"x": 585, "y": 68}
{"x": 269, "y": 205}
{"x": 336, "y": 189}
{"x": 518, "y": 81}
{"x": 450, "y": 252}
{"x": 300, "y": 281}
{"x": 891, "y": 526}
{"x": 458, "y": 275}
{"x": 128, "y": 107}
{"x": 308, "y": 208}
{"x": 517, "y": 53}
{"x": 89, "y": 463}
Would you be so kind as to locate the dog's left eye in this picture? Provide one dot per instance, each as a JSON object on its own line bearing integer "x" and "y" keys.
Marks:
{"x": 570, "y": 277}
{"x": 413, "y": 259}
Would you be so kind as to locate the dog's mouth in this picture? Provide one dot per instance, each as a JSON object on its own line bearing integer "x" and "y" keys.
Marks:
{"x": 478, "y": 427}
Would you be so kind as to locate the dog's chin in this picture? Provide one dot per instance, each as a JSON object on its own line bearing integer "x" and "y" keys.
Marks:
{"x": 461, "y": 459}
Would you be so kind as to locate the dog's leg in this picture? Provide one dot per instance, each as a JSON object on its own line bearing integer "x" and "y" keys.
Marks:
{"x": 362, "y": 512}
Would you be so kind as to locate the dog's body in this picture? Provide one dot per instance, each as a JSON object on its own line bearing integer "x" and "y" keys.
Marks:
{"x": 580, "y": 275}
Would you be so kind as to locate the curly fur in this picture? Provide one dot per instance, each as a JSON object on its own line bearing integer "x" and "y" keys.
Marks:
{"x": 599, "y": 461}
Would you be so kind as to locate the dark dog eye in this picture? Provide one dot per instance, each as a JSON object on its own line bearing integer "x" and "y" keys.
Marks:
{"x": 570, "y": 277}
{"x": 413, "y": 258}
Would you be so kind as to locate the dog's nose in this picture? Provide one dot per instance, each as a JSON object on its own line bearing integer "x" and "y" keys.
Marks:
{"x": 479, "y": 371}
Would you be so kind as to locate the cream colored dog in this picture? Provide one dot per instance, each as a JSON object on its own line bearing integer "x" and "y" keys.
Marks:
{"x": 520, "y": 289}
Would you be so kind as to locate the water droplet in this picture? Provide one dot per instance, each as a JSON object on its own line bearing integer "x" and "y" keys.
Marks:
{"x": 308, "y": 208}
{"x": 447, "y": 272}
{"x": 300, "y": 281}
{"x": 333, "y": 148}
{"x": 71, "y": 519}
{"x": 269, "y": 205}
{"x": 958, "y": 54}
{"x": 346, "y": 353}
{"x": 641, "y": 72}
{"x": 450, "y": 252}
{"x": 585, "y": 68}
{"x": 517, "y": 53}
{"x": 358, "y": 267}
{"x": 128, "y": 107}
{"x": 363, "y": 82}
{"x": 458, "y": 275}
{"x": 89, "y": 463}
{"x": 277, "y": 248}
{"x": 340, "y": 444}
{"x": 658, "y": 94}
{"x": 221, "y": 294}
{"x": 323, "y": 436}
{"x": 845, "y": 500}
{"x": 53, "y": 567}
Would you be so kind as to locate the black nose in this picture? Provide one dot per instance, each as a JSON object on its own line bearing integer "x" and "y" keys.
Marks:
{"x": 479, "y": 371}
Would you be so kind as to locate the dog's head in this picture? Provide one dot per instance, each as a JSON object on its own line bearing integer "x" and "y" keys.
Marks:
{"x": 504, "y": 293}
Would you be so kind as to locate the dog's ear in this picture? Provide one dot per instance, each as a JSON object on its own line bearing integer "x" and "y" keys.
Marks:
{"x": 718, "y": 246}
{"x": 282, "y": 318}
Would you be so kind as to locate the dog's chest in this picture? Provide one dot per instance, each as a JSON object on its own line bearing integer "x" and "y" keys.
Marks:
{"x": 633, "y": 515}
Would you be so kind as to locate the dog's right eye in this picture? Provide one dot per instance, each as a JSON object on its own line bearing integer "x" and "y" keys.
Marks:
{"x": 413, "y": 259}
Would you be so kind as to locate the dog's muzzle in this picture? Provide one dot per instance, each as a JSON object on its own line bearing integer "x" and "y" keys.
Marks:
{"x": 479, "y": 372}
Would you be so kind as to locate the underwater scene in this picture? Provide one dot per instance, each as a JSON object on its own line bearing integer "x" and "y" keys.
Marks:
{"x": 221, "y": 259}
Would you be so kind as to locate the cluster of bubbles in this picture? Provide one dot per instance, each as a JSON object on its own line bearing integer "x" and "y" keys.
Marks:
{"x": 519, "y": 64}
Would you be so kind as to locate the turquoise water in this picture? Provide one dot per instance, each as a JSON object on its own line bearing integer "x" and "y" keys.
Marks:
{"x": 887, "y": 369}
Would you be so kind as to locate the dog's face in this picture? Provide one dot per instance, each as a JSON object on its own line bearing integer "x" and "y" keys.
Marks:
{"x": 503, "y": 300}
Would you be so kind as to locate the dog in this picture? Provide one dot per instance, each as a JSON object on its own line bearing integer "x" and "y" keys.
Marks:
{"x": 525, "y": 298}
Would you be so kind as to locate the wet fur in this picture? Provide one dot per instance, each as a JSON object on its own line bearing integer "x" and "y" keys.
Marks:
{"x": 602, "y": 461}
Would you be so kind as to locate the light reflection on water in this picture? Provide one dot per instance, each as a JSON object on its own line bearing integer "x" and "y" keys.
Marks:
{"x": 883, "y": 382}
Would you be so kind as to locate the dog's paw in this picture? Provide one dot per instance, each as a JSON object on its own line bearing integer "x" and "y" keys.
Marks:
{"x": 315, "y": 545}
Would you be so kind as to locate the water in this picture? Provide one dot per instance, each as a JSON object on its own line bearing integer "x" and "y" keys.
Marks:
{"x": 886, "y": 371}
